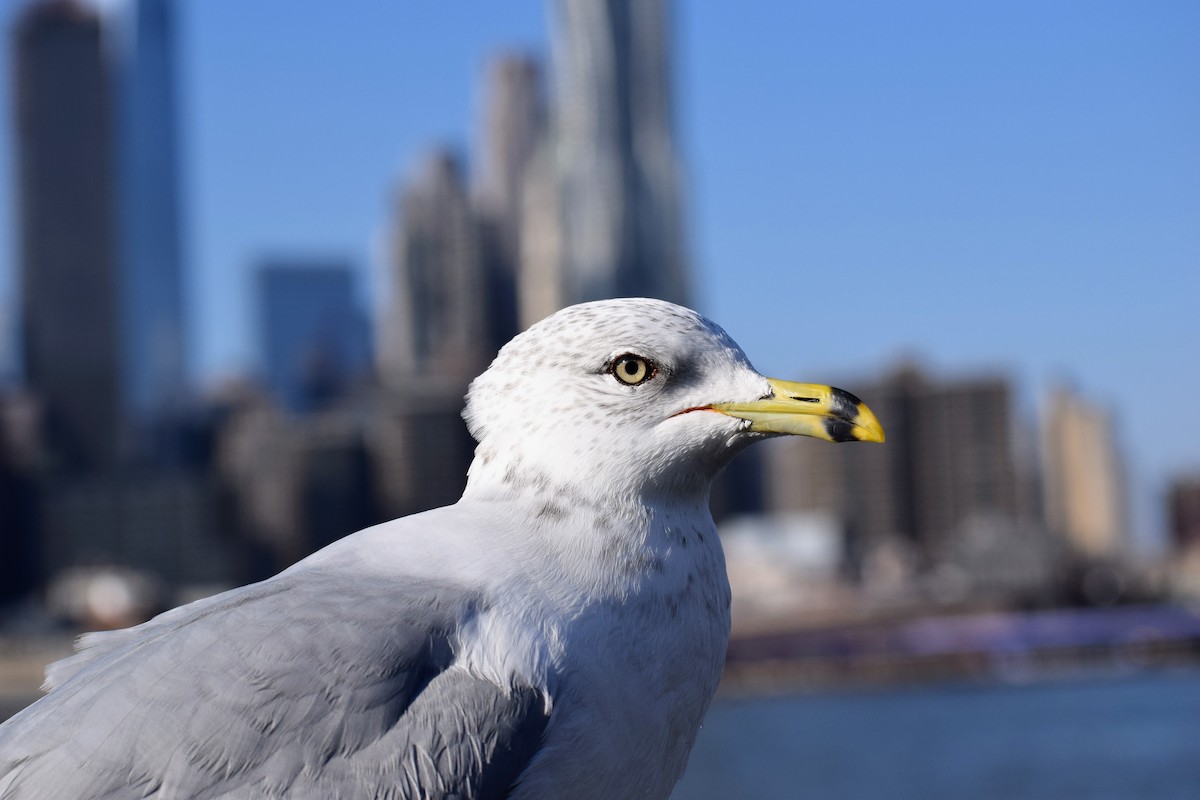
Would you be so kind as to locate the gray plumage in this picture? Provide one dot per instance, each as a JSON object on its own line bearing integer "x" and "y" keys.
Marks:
{"x": 356, "y": 677}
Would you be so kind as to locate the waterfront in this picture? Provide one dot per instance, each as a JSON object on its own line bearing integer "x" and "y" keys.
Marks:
{"x": 1085, "y": 738}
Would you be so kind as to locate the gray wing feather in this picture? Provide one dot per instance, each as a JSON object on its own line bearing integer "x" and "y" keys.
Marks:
{"x": 463, "y": 737}
{"x": 304, "y": 685}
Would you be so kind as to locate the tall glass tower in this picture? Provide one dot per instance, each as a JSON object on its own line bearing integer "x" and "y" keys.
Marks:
{"x": 313, "y": 337}
{"x": 619, "y": 178}
{"x": 69, "y": 311}
{"x": 149, "y": 251}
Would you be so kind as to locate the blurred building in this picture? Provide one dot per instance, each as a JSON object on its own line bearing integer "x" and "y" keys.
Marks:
{"x": 1183, "y": 531}
{"x": 783, "y": 567}
{"x": 514, "y": 126}
{"x": 20, "y": 450}
{"x": 604, "y": 214}
{"x": 433, "y": 341}
{"x": 1083, "y": 483}
{"x": 420, "y": 452}
{"x": 164, "y": 525}
{"x": 434, "y": 330}
{"x": 111, "y": 484}
{"x": 98, "y": 157}
{"x": 8, "y": 346}
{"x": 67, "y": 255}
{"x": 150, "y": 251}
{"x": 1183, "y": 513}
{"x": 947, "y": 472}
{"x": 313, "y": 333}
{"x": 295, "y": 483}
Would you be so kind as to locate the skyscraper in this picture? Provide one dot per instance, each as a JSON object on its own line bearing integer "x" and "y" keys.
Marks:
{"x": 8, "y": 355}
{"x": 611, "y": 178}
{"x": 100, "y": 225}
{"x": 314, "y": 338}
{"x": 1183, "y": 513}
{"x": 1183, "y": 534}
{"x": 435, "y": 324}
{"x": 67, "y": 245}
{"x": 295, "y": 483}
{"x": 149, "y": 248}
{"x": 514, "y": 126}
{"x": 433, "y": 339}
{"x": 1084, "y": 488}
{"x": 20, "y": 565}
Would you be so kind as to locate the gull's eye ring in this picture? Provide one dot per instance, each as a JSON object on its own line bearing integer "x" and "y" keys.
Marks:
{"x": 632, "y": 370}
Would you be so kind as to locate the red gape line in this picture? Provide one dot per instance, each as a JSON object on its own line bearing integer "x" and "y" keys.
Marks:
{"x": 690, "y": 410}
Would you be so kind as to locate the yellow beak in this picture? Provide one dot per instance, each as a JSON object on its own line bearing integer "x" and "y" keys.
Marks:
{"x": 808, "y": 409}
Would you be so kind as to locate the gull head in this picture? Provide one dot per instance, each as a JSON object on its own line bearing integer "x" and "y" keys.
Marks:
{"x": 635, "y": 397}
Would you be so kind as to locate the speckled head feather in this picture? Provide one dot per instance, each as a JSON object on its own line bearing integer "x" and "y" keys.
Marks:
{"x": 550, "y": 409}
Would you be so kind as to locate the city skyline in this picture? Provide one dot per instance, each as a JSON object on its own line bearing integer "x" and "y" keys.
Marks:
{"x": 1018, "y": 187}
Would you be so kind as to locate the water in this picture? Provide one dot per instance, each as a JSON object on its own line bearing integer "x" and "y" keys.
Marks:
{"x": 1132, "y": 738}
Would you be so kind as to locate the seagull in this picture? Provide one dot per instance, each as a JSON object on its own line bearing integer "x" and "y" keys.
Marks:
{"x": 558, "y": 632}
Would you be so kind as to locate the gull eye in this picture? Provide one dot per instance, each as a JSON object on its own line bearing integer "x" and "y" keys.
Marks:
{"x": 631, "y": 369}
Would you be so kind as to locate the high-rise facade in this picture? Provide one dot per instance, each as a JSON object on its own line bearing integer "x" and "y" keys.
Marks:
{"x": 313, "y": 335}
{"x": 70, "y": 301}
{"x": 1183, "y": 535}
{"x": 150, "y": 252}
{"x": 101, "y": 257}
{"x": 432, "y": 340}
{"x": 8, "y": 335}
{"x": 1084, "y": 487}
{"x": 1183, "y": 513}
{"x": 514, "y": 126}
{"x": 295, "y": 483}
{"x": 435, "y": 326}
{"x": 20, "y": 565}
{"x": 610, "y": 181}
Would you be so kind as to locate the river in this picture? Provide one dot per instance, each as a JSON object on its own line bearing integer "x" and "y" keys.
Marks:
{"x": 1133, "y": 737}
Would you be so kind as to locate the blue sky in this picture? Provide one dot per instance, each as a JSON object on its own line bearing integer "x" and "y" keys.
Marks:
{"x": 986, "y": 186}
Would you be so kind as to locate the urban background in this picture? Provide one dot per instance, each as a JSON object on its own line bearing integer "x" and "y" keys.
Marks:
{"x": 171, "y": 426}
